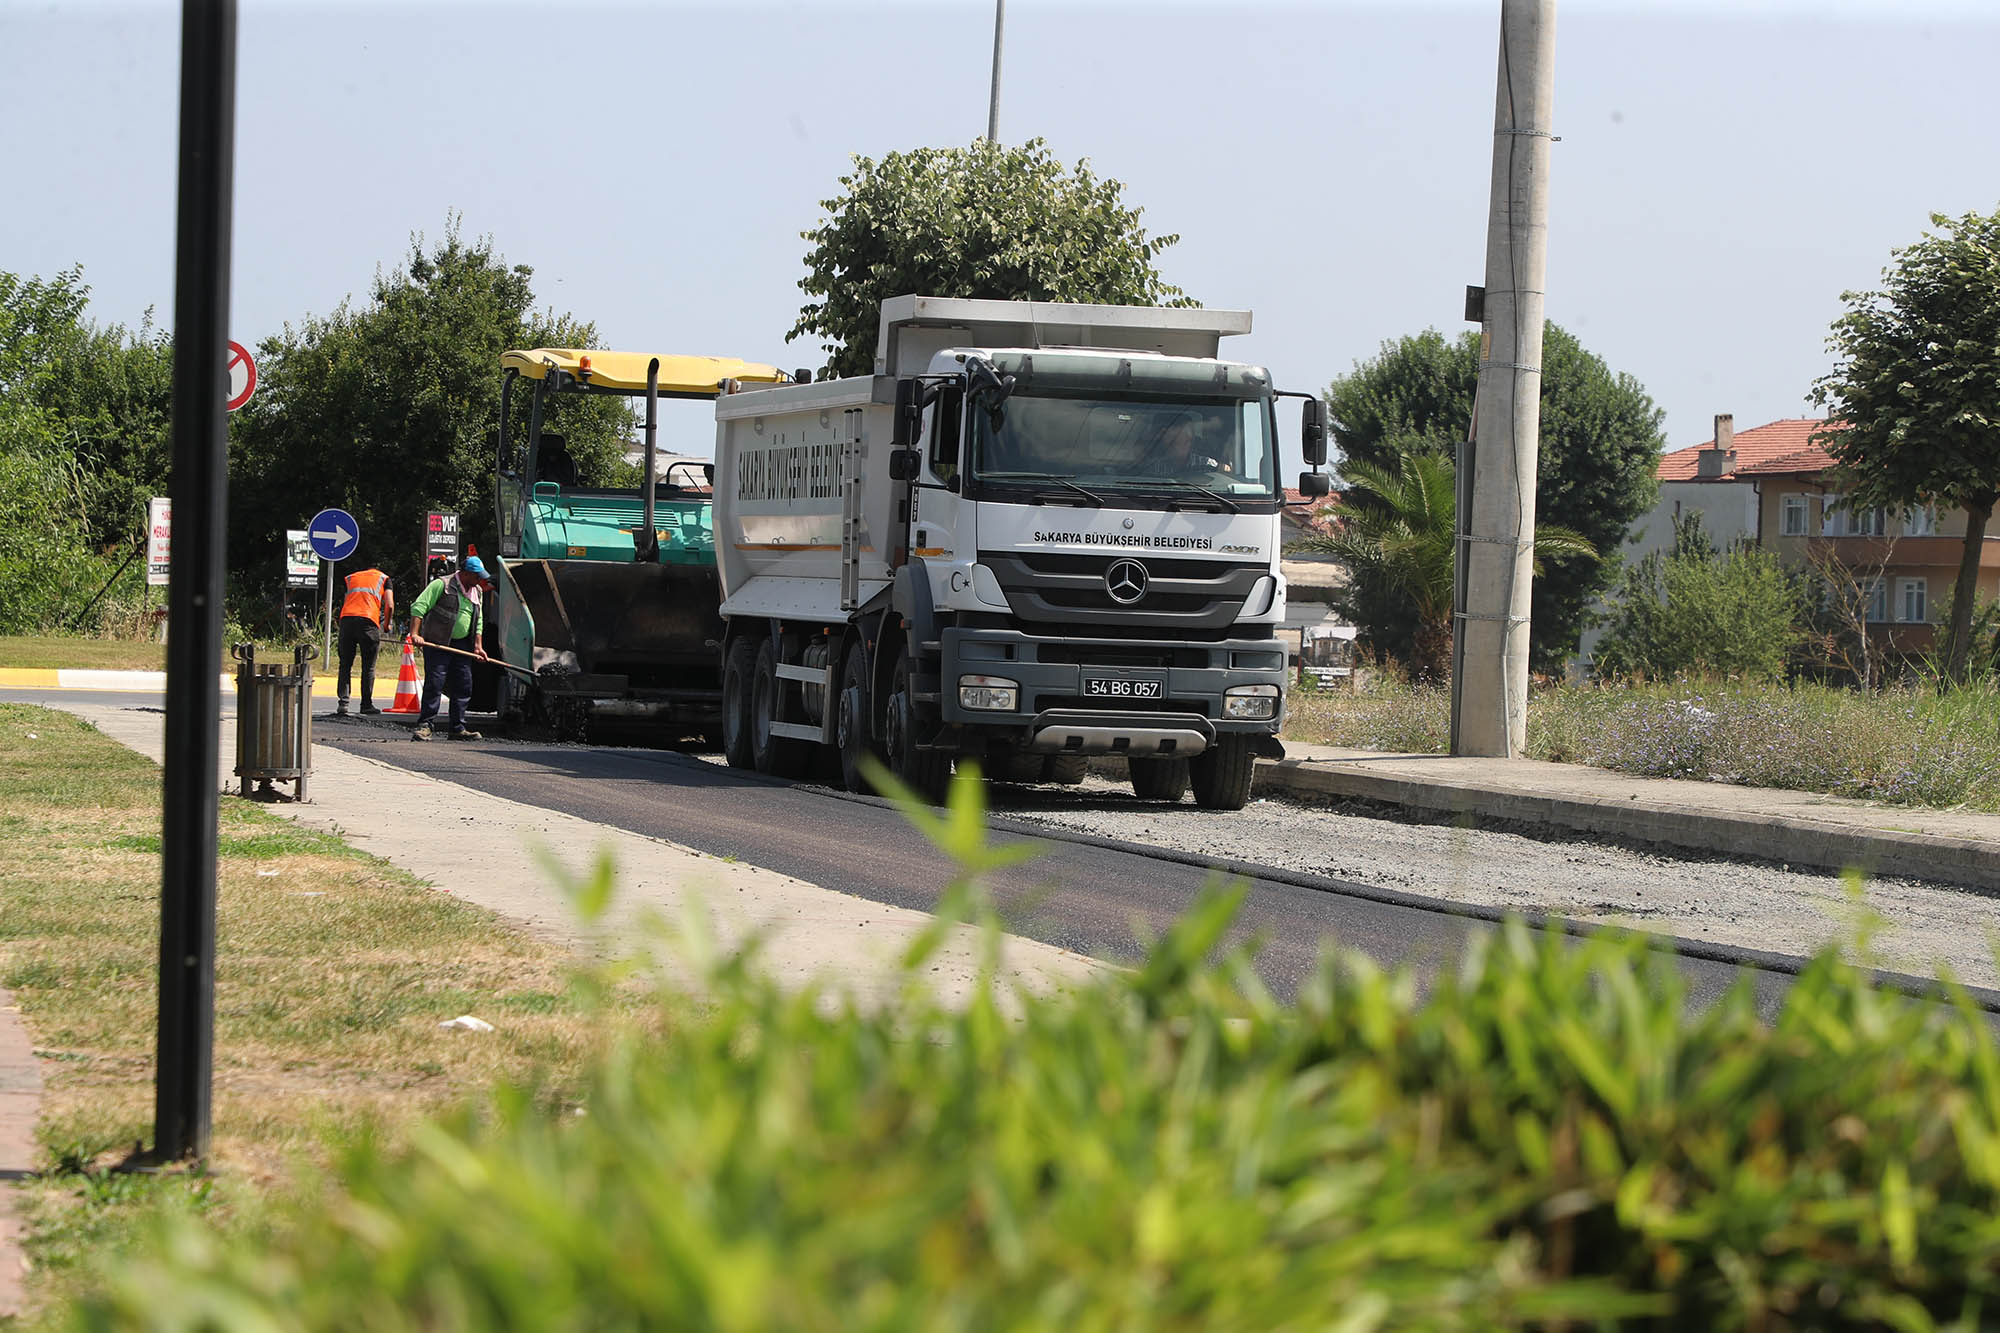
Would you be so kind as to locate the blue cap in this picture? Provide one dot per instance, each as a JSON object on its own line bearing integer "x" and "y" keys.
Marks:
{"x": 474, "y": 566}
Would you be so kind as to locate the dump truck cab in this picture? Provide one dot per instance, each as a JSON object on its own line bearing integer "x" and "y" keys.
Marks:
{"x": 609, "y": 594}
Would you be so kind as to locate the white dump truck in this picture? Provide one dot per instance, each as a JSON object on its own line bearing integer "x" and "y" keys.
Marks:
{"x": 1037, "y": 533}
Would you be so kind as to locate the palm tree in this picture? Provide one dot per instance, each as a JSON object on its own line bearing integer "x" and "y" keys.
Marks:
{"x": 1402, "y": 531}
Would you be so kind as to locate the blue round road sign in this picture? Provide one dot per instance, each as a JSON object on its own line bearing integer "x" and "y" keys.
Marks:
{"x": 333, "y": 534}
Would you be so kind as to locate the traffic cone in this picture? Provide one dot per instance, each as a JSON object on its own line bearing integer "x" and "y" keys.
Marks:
{"x": 406, "y": 682}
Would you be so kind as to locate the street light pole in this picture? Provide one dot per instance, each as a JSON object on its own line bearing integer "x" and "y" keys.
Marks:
{"x": 194, "y": 592}
{"x": 1490, "y": 690}
{"x": 993, "y": 108}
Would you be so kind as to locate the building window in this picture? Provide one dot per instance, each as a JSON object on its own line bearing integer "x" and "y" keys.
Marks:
{"x": 1920, "y": 522}
{"x": 1792, "y": 516}
{"x": 1878, "y": 601}
{"x": 1913, "y": 601}
{"x": 1838, "y": 522}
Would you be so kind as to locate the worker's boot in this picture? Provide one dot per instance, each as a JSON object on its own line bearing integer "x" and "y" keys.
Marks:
{"x": 463, "y": 734}
{"x": 367, "y": 708}
{"x": 340, "y": 708}
{"x": 422, "y": 732}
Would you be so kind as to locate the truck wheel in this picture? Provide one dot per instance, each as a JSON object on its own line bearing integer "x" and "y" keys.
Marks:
{"x": 1067, "y": 769}
{"x": 738, "y": 668}
{"x": 1221, "y": 774}
{"x": 779, "y": 756}
{"x": 851, "y": 724}
{"x": 1016, "y": 768}
{"x": 1159, "y": 779}
{"x": 926, "y": 772}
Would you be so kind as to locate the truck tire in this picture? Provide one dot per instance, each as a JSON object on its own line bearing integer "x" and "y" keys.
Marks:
{"x": 925, "y": 772}
{"x": 1159, "y": 779}
{"x": 779, "y": 756}
{"x": 1067, "y": 769}
{"x": 1221, "y": 774}
{"x": 1016, "y": 768}
{"x": 739, "y": 667}
{"x": 851, "y": 729}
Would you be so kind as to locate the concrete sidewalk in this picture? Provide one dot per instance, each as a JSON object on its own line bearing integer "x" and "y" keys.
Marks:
{"x": 1958, "y": 847}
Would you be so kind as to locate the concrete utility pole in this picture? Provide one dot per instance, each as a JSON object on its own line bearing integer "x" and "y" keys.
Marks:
{"x": 1490, "y": 688}
{"x": 993, "y": 108}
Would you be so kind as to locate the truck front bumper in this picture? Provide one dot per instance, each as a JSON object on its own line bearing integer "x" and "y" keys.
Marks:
{"x": 1108, "y": 696}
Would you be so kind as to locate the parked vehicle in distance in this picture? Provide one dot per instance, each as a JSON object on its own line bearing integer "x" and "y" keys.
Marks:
{"x": 1037, "y": 533}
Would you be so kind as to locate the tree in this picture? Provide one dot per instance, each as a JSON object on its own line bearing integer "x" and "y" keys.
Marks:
{"x": 56, "y": 498}
{"x": 1401, "y": 539}
{"x": 389, "y": 410}
{"x": 1836, "y": 628}
{"x": 982, "y": 221}
{"x": 1732, "y": 613}
{"x": 1600, "y": 446}
{"x": 1914, "y": 397}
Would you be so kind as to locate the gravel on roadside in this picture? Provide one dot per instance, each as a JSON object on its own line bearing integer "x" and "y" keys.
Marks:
{"x": 1918, "y": 927}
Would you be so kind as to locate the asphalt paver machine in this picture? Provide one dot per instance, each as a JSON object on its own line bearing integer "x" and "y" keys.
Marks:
{"x": 609, "y": 595}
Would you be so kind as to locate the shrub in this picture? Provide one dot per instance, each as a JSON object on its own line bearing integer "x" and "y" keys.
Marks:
{"x": 1733, "y": 613}
{"x": 1548, "y": 1136}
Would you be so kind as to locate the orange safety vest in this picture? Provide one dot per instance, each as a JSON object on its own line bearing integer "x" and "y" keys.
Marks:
{"x": 364, "y": 595}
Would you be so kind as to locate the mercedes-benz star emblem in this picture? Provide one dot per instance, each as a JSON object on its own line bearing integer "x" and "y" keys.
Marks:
{"x": 1126, "y": 581}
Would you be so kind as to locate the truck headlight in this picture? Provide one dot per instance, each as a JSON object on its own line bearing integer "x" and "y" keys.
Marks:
{"x": 1251, "y": 702}
{"x": 988, "y": 694}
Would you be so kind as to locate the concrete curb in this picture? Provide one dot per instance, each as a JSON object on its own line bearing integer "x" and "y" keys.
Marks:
{"x": 20, "y": 1106}
{"x": 141, "y": 682}
{"x": 1790, "y": 839}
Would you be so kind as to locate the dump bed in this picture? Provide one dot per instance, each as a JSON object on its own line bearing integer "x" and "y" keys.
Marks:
{"x": 779, "y": 502}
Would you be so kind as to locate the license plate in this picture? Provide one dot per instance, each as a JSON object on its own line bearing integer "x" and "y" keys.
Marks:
{"x": 1118, "y": 687}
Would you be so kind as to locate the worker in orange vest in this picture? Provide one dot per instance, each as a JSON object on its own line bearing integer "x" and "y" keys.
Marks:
{"x": 370, "y": 601}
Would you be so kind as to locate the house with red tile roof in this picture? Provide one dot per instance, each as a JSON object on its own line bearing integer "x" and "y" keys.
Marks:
{"x": 1769, "y": 486}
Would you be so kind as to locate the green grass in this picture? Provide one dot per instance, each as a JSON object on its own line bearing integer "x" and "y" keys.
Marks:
{"x": 333, "y": 971}
{"x": 1911, "y": 745}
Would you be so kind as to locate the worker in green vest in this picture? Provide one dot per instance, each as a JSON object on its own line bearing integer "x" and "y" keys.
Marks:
{"x": 449, "y": 613}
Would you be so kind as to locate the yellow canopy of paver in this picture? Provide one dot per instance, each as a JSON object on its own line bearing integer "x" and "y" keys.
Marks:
{"x": 627, "y": 370}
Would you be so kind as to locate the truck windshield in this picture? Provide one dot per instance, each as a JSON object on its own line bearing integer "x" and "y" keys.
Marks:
{"x": 1074, "y": 446}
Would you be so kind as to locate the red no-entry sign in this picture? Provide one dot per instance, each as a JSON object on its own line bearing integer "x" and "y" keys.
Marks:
{"x": 242, "y": 376}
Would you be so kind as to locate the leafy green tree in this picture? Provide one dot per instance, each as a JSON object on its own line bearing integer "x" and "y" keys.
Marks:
{"x": 41, "y": 324}
{"x": 1600, "y": 446}
{"x": 1401, "y": 537}
{"x": 52, "y": 489}
{"x": 1703, "y": 611}
{"x": 389, "y": 409}
{"x": 116, "y": 405}
{"x": 982, "y": 221}
{"x": 1914, "y": 398}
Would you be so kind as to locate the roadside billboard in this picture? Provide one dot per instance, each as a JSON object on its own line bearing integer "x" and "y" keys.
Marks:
{"x": 159, "y": 528}
{"x": 440, "y": 541}
{"x": 301, "y": 565}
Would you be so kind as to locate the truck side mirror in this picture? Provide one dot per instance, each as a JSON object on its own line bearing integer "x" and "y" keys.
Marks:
{"x": 1312, "y": 431}
{"x": 903, "y": 464}
{"x": 909, "y": 415}
{"x": 1313, "y": 485}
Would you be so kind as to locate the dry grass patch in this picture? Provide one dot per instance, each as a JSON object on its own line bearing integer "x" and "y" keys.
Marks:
{"x": 333, "y": 972}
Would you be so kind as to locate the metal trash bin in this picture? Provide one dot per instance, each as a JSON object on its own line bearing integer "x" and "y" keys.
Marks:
{"x": 273, "y": 722}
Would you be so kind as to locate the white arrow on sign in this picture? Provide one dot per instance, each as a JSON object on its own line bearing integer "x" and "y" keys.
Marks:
{"x": 339, "y": 536}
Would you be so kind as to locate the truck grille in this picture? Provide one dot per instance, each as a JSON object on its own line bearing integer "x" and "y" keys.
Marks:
{"x": 1068, "y": 590}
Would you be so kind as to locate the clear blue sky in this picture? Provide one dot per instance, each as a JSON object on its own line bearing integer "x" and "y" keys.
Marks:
{"x": 1726, "y": 170}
